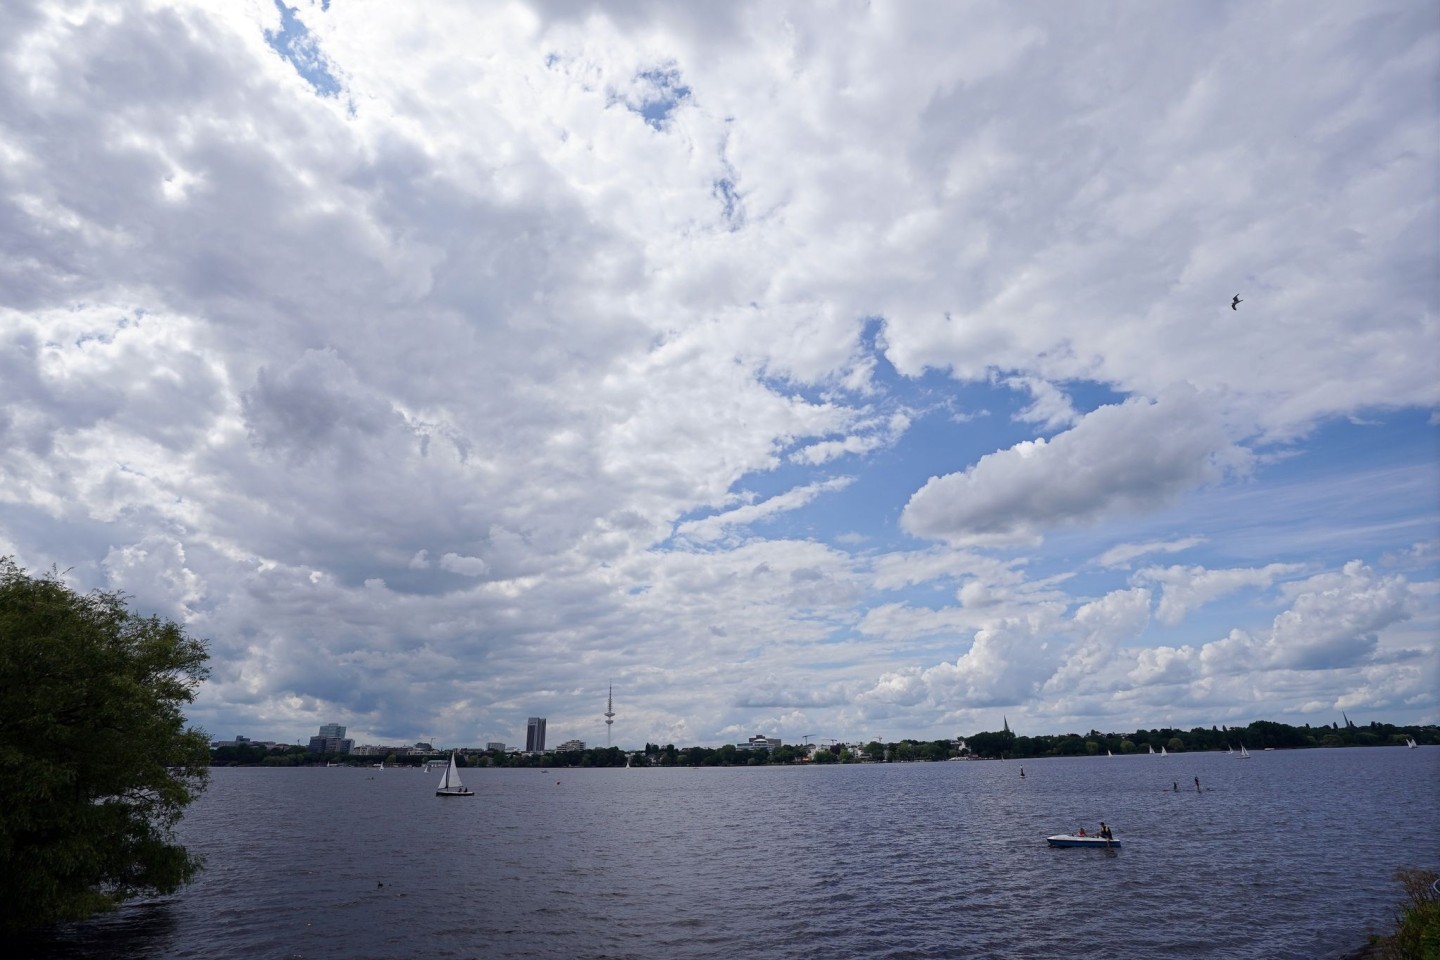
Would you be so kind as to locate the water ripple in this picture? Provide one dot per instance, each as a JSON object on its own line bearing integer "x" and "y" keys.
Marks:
{"x": 1276, "y": 860}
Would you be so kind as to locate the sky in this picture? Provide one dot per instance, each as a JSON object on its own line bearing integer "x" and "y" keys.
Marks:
{"x": 819, "y": 370}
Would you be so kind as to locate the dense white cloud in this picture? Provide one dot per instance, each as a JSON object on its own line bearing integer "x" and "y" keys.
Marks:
{"x": 1099, "y": 467}
{"x": 1336, "y": 618}
{"x": 1185, "y": 588}
{"x": 1334, "y": 622}
{"x": 443, "y": 368}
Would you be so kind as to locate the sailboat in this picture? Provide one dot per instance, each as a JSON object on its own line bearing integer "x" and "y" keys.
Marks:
{"x": 1109, "y": 754}
{"x": 1410, "y": 742}
{"x": 1149, "y": 749}
{"x": 1227, "y": 749}
{"x": 1244, "y": 754}
{"x": 450, "y": 785}
{"x": 1163, "y": 753}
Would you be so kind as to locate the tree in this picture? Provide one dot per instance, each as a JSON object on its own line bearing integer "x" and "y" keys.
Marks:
{"x": 96, "y": 765}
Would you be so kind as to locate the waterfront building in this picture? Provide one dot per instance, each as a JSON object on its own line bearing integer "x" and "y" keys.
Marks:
{"x": 382, "y": 750}
{"x": 535, "y": 735}
{"x": 331, "y": 740}
{"x": 495, "y": 745}
{"x": 760, "y": 743}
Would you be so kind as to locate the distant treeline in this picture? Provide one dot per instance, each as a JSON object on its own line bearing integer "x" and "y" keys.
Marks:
{"x": 1260, "y": 735}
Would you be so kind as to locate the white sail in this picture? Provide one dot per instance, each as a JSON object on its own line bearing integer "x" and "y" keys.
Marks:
{"x": 1244, "y": 754}
{"x": 450, "y": 780}
{"x": 1163, "y": 753}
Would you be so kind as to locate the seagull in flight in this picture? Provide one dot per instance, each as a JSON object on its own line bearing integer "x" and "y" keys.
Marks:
{"x": 1237, "y": 300}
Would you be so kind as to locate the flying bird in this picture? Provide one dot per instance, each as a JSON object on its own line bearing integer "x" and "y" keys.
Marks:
{"x": 1236, "y": 301}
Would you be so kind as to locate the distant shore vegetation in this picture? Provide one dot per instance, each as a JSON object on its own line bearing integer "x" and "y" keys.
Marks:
{"x": 985, "y": 745}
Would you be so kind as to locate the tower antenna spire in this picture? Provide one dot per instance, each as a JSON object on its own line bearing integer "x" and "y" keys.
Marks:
{"x": 609, "y": 713}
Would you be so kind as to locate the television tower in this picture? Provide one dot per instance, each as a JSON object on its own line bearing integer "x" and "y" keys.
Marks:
{"x": 609, "y": 714}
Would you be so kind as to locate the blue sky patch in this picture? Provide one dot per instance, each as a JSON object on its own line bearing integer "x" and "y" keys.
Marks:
{"x": 663, "y": 91}
{"x": 294, "y": 42}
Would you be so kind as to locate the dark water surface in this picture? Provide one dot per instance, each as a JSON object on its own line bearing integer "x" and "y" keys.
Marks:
{"x": 1285, "y": 855}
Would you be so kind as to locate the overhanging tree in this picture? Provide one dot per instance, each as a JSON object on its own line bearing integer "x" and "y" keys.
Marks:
{"x": 96, "y": 762}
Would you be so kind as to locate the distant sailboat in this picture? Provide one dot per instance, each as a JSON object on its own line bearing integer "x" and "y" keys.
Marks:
{"x": 1163, "y": 753}
{"x": 1109, "y": 754}
{"x": 450, "y": 785}
{"x": 1227, "y": 749}
{"x": 1410, "y": 742}
{"x": 1149, "y": 749}
{"x": 1244, "y": 754}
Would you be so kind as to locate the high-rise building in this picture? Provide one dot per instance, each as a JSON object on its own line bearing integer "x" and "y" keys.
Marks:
{"x": 330, "y": 745}
{"x": 535, "y": 735}
{"x": 331, "y": 740}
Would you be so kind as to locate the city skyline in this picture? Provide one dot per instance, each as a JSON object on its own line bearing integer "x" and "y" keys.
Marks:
{"x": 867, "y": 369}
{"x": 1343, "y": 720}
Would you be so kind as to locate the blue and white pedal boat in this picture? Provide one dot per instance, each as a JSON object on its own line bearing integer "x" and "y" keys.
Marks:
{"x": 1075, "y": 840}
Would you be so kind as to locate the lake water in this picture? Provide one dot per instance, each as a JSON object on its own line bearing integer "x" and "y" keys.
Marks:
{"x": 1289, "y": 854}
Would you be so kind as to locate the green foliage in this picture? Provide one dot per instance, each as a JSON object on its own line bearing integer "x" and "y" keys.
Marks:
{"x": 239, "y": 755}
{"x": 1417, "y": 925}
{"x": 96, "y": 765}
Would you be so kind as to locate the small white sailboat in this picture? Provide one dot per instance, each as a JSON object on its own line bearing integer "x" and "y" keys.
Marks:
{"x": 1163, "y": 753}
{"x": 1149, "y": 749}
{"x": 1227, "y": 748}
{"x": 450, "y": 785}
{"x": 1410, "y": 742}
{"x": 1244, "y": 754}
{"x": 1109, "y": 754}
